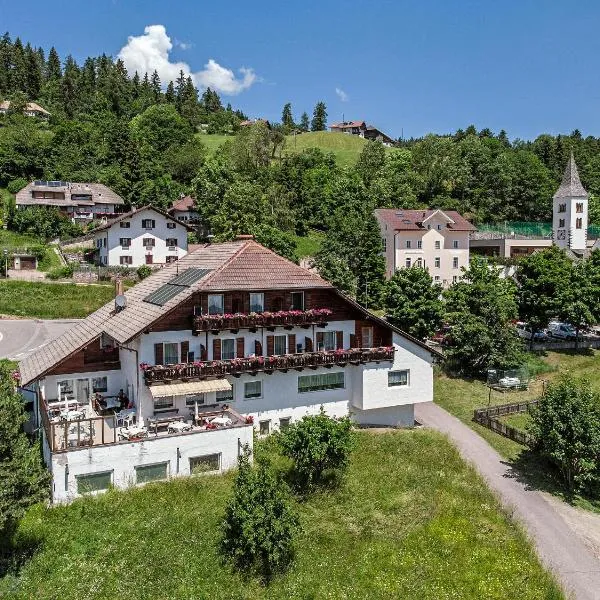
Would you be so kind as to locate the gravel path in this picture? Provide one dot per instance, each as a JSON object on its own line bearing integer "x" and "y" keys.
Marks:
{"x": 564, "y": 551}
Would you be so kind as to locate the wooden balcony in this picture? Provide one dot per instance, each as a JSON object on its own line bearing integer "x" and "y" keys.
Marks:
{"x": 268, "y": 320}
{"x": 266, "y": 364}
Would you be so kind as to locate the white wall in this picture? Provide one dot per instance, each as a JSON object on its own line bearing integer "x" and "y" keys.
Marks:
{"x": 123, "y": 457}
{"x": 574, "y": 238}
{"x": 114, "y": 379}
{"x": 391, "y": 416}
{"x": 160, "y": 251}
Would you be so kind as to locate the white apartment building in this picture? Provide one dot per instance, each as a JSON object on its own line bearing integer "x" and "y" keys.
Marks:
{"x": 144, "y": 236}
{"x": 231, "y": 339}
{"x": 433, "y": 239}
{"x": 570, "y": 211}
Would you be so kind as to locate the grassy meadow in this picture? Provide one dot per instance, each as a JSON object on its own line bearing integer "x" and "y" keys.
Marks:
{"x": 51, "y": 300}
{"x": 411, "y": 520}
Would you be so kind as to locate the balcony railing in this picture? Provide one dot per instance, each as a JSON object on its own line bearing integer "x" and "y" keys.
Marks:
{"x": 268, "y": 364}
{"x": 282, "y": 318}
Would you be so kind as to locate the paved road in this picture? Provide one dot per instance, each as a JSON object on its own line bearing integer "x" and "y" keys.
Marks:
{"x": 20, "y": 337}
{"x": 558, "y": 546}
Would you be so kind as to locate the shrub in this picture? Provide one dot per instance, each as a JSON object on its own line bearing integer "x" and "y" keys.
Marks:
{"x": 566, "y": 426}
{"x": 143, "y": 271}
{"x": 16, "y": 185}
{"x": 65, "y": 272}
{"x": 318, "y": 445}
{"x": 260, "y": 524}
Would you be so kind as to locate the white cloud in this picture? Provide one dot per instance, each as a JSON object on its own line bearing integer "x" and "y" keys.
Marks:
{"x": 150, "y": 51}
{"x": 341, "y": 94}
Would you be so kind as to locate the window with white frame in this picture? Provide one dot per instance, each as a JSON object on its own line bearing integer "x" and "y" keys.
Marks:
{"x": 148, "y": 223}
{"x": 579, "y": 207}
{"x": 164, "y": 403}
{"x": 297, "y": 300}
{"x": 455, "y": 262}
{"x": 215, "y": 304}
{"x": 384, "y": 244}
{"x": 154, "y": 472}
{"x": 93, "y": 482}
{"x": 170, "y": 353}
{"x": 320, "y": 382}
{"x": 329, "y": 340}
{"x": 257, "y": 302}
{"x": 455, "y": 243}
{"x": 578, "y": 223}
{"x": 252, "y": 389}
{"x": 436, "y": 278}
{"x": 366, "y": 335}
{"x": 419, "y": 244}
{"x": 228, "y": 349}
{"x": 125, "y": 224}
{"x": 437, "y": 244}
{"x": 225, "y": 395}
{"x": 408, "y": 244}
{"x": 419, "y": 262}
{"x": 562, "y": 208}
{"x": 437, "y": 262}
{"x": 171, "y": 242}
{"x": 398, "y": 378}
{"x": 264, "y": 427}
{"x": 280, "y": 344}
{"x": 99, "y": 384}
{"x": 407, "y": 262}
{"x": 148, "y": 242}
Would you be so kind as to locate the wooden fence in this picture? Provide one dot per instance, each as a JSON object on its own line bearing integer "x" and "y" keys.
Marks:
{"x": 488, "y": 417}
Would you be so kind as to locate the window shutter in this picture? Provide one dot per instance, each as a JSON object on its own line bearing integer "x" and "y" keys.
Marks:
{"x": 270, "y": 345}
{"x": 185, "y": 349}
{"x": 320, "y": 340}
{"x": 158, "y": 354}
{"x": 216, "y": 349}
{"x": 308, "y": 344}
{"x": 352, "y": 341}
{"x": 240, "y": 347}
{"x": 292, "y": 343}
{"x": 203, "y": 352}
{"x": 339, "y": 340}
{"x": 258, "y": 348}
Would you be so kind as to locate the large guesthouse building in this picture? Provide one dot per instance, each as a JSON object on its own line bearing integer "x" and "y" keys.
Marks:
{"x": 177, "y": 373}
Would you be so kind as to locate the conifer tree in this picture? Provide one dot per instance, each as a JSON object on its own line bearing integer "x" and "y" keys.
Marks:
{"x": 156, "y": 86}
{"x": 319, "y": 120}
{"x": 170, "y": 97}
{"x": 53, "y": 70}
{"x": 287, "y": 118}
{"x": 304, "y": 122}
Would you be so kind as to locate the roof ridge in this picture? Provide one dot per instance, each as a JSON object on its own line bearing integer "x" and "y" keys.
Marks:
{"x": 226, "y": 262}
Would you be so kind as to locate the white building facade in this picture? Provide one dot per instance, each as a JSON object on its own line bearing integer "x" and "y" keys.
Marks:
{"x": 570, "y": 211}
{"x": 145, "y": 236}
{"x": 259, "y": 350}
{"x": 433, "y": 239}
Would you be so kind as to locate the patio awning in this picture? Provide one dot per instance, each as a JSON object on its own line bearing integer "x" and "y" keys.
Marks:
{"x": 189, "y": 388}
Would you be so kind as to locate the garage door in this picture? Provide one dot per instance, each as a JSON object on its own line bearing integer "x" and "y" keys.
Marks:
{"x": 27, "y": 263}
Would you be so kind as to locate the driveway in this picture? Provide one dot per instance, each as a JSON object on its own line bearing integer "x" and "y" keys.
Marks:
{"x": 560, "y": 548}
{"x": 21, "y": 337}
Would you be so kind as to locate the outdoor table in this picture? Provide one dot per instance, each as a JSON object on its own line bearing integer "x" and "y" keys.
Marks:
{"x": 134, "y": 432}
{"x": 112, "y": 402}
{"x": 71, "y": 415}
{"x": 221, "y": 421}
{"x": 178, "y": 427}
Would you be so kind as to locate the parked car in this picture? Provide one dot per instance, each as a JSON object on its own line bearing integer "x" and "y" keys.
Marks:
{"x": 563, "y": 331}
{"x": 509, "y": 382}
{"x": 524, "y": 331}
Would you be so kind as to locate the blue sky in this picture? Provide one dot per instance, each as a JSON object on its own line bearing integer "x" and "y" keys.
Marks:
{"x": 528, "y": 66}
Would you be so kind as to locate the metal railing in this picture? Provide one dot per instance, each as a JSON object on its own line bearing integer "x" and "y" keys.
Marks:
{"x": 255, "y": 364}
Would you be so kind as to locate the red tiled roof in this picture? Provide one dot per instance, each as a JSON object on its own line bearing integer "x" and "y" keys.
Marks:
{"x": 406, "y": 220}
{"x": 185, "y": 203}
{"x": 346, "y": 124}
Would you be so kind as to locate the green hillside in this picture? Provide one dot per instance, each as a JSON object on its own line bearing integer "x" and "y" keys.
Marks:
{"x": 213, "y": 141}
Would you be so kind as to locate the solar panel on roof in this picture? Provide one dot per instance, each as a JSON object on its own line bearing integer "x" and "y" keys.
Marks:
{"x": 175, "y": 286}
{"x": 189, "y": 276}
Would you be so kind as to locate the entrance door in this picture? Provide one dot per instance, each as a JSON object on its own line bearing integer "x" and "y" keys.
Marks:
{"x": 82, "y": 390}
{"x": 148, "y": 259}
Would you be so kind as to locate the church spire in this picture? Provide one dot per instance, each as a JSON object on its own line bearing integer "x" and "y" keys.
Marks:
{"x": 571, "y": 186}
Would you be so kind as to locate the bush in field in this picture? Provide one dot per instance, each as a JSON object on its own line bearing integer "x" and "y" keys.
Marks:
{"x": 17, "y": 185}
{"x": 143, "y": 271}
{"x": 260, "y": 524}
{"x": 23, "y": 478}
{"x": 319, "y": 446}
{"x": 64, "y": 272}
{"x": 566, "y": 426}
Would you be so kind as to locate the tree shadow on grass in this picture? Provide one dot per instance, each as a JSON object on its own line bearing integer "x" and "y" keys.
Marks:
{"x": 16, "y": 552}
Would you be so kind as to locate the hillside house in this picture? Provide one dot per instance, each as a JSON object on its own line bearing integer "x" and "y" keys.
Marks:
{"x": 82, "y": 202}
{"x": 184, "y": 210}
{"x": 361, "y": 129}
{"x": 231, "y": 338}
{"x": 31, "y": 109}
{"x": 433, "y": 239}
{"x": 143, "y": 236}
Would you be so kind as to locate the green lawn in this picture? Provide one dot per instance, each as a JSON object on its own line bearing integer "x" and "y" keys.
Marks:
{"x": 51, "y": 300}
{"x": 412, "y": 521}
{"x": 309, "y": 245}
{"x": 517, "y": 420}
{"x": 461, "y": 396}
{"x": 213, "y": 141}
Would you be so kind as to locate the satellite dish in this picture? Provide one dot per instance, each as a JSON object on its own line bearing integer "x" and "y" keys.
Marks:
{"x": 120, "y": 301}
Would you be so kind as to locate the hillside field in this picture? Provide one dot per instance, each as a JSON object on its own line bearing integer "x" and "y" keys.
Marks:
{"x": 410, "y": 521}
